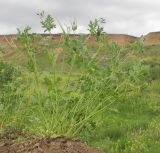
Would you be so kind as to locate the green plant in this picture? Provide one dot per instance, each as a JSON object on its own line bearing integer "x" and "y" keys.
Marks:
{"x": 138, "y": 46}
{"x": 7, "y": 74}
{"x": 74, "y": 26}
{"x": 47, "y": 22}
{"x": 1, "y": 48}
{"x": 94, "y": 91}
{"x": 95, "y": 27}
{"x": 62, "y": 106}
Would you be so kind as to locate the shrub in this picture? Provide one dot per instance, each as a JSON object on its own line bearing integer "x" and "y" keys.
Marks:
{"x": 67, "y": 99}
{"x": 7, "y": 74}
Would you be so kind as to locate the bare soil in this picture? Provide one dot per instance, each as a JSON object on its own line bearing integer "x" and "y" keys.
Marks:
{"x": 121, "y": 39}
{"x": 20, "y": 142}
{"x": 9, "y": 40}
{"x": 153, "y": 38}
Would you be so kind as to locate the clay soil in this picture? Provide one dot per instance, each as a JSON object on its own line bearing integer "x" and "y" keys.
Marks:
{"x": 152, "y": 38}
{"x": 20, "y": 142}
{"x": 9, "y": 40}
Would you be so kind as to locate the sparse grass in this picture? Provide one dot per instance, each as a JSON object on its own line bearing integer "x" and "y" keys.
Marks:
{"x": 130, "y": 128}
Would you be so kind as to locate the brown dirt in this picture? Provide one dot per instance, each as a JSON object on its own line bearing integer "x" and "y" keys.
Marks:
{"x": 18, "y": 142}
{"x": 6, "y": 42}
{"x": 121, "y": 39}
{"x": 152, "y": 38}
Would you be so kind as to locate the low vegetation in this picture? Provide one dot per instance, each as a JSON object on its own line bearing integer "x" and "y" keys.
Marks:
{"x": 102, "y": 93}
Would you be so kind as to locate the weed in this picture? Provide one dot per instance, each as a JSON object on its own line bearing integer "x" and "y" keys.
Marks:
{"x": 95, "y": 92}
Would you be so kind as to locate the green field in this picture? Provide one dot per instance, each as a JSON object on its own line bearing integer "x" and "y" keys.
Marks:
{"x": 109, "y": 96}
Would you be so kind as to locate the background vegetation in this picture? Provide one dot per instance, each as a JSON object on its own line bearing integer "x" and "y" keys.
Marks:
{"x": 103, "y": 93}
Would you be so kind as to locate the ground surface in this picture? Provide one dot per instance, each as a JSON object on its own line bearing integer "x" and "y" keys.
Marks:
{"x": 152, "y": 38}
{"x": 128, "y": 127}
{"x": 17, "y": 142}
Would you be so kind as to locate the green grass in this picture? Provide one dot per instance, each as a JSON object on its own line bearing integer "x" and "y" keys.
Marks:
{"x": 126, "y": 118}
{"x": 101, "y": 93}
{"x": 122, "y": 121}
{"x": 117, "y": 127}
{"x": 118, "y": 124}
